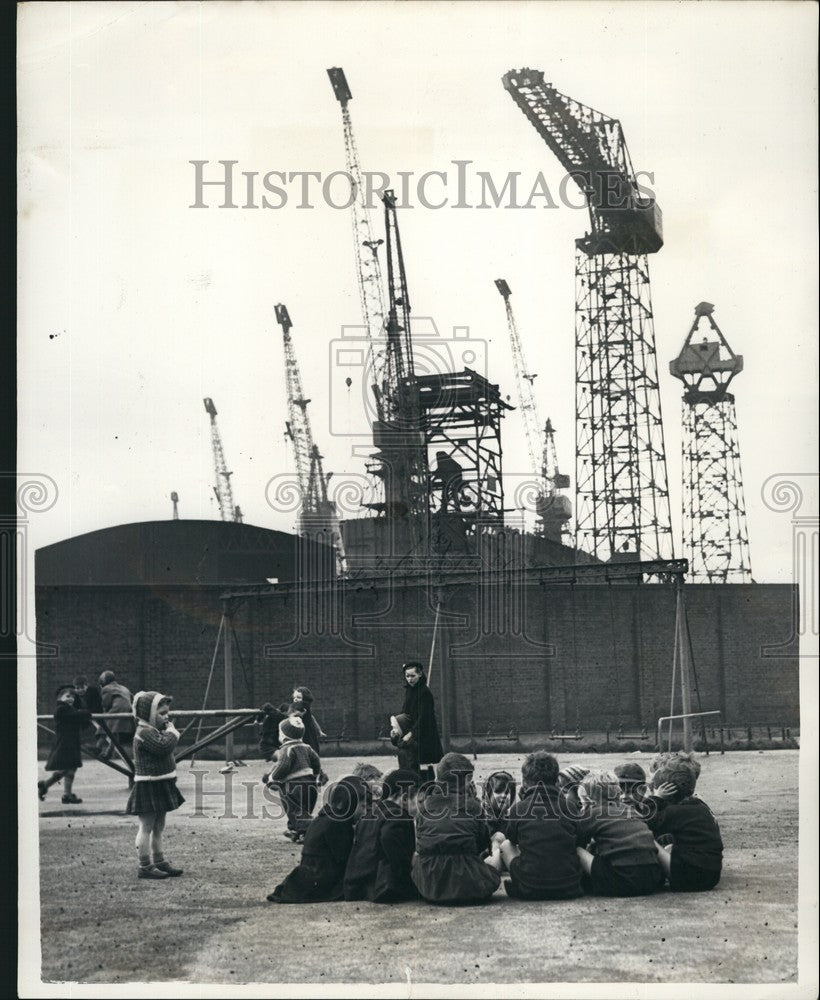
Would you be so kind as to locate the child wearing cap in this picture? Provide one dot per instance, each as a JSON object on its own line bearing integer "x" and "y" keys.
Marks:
{"x": 625, "y": 862}
{"x": 155, "y": 792}
{"x": 295, "y": 772}
{"x": 379, "y": 866}
{"x": 451, "y": 835}
{"x": 632, "y": 779}
{"x": 65, "y": 756}
{"x": 692, "y": 851}
{"x": 539, "y": 851}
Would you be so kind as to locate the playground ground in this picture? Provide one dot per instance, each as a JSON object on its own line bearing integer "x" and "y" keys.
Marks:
{"x": 99, "y": 924}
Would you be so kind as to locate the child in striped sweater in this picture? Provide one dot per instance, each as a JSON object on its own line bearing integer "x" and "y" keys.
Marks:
{"x": 155, "y": 790}
{"x": 295, "y": 774}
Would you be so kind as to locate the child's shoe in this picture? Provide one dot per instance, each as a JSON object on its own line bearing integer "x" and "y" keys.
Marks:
{"x": 168, "y": 868}
{"x": 42, "y": 788}
{"x": 71, "y": 800}
{"x": 291, "y": 835}
{"x": 151, "y": 871}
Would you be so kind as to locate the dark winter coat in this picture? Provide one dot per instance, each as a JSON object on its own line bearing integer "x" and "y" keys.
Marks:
{"x": 379, "y": 866}
{"x": 68, "y": 725}
{"x": 91, "y": 700}
{"x": 312, "y": 727}
{"x": 697, "y": 835}
{"x": 621, "y": 837}
{"x": 319, "y": 876}
{"x": 117, "y": 698}
{"x": 420, "y": 705}
{"x": 407, "y": 752}
{"x": 451, "y": 835}
{"x": 546, "y": 837}
{"x": 269, "y": 740}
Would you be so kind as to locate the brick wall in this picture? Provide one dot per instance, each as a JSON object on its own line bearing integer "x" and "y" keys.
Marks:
{"x": 591, "y": 656}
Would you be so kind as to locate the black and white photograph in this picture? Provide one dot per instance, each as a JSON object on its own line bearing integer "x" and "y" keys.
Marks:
{"x": 418, "y": 520}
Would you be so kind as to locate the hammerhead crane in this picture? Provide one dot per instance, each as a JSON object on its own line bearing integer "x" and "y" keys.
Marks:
{"x": 552, "y": 507}
{"x": 222, "y": 488}
{"x": 318, "y": 517}
{"x": 622, "y": 496}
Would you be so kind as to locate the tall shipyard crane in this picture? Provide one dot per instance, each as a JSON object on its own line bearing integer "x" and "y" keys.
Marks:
{"x": 318, "y": 517}
{"x": 622, "y": 495}
{"x": 715, "y": 536}
{"x": 222, "y": 490}
{"x": 368, "y": 268}
{"x": 398, "y": 435}
{"x": 552, "y": 508}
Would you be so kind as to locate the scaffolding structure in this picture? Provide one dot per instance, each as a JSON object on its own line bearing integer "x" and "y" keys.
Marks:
{"x": 715, "y": 534}
{"x": 461, "y": 415}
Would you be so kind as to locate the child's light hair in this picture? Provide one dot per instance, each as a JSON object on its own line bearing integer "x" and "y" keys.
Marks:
{"x": 367, "y": 772}
{"x": 680, "y": 773}
{"x": 601, "y": 786}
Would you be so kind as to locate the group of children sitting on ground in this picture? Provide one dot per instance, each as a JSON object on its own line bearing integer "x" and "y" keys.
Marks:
{"x": 390, "y": 838}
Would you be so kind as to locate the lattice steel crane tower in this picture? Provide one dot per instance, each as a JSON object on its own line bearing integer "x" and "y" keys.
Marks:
{"x": 552, "y": 508}
{"x": 401, "y": 457}
{"x": 715, "y": 536}
{"x": 318, "y": 517}
{"x": 622, "y": 496}
{"x": 222, "y": 490}
{"x": 368, "y": 267}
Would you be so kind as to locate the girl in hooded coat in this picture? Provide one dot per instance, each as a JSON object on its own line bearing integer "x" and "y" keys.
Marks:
{"x": 155, "y": 791}
{"x": 420, "y": 707}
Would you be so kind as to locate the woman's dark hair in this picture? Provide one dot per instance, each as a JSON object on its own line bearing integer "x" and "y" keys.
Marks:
{"x": 413, "y": 665}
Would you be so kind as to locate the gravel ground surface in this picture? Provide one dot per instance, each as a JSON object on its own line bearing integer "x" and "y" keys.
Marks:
{"x": 213, "y": 925}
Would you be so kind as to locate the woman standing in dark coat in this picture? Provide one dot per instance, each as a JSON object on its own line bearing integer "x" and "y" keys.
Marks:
{"x": 65, "y": 756}
{"x": 420, "y": 706}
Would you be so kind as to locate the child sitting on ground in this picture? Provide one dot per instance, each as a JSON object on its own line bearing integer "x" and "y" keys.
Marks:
{"x": 318, "y": 878}
{"x": 539, "y": 851}
{"x": 379, "y": 865}
{"x": 450, "y": 837}
{"x": 295, "y": 773}
{"x": 372, "y": 775}
{"x": 632, "y": 779}
{"x": 625, "y": 862}
{"x": 497, "y": 798}
{"x": 690, "y": 848}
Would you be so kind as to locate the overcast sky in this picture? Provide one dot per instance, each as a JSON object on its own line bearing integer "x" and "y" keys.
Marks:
{"x": 134, "y": 306}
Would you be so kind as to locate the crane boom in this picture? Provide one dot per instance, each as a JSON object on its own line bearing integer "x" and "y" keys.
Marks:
{"x": 523, "y": 380}
{"x": 318, "y": 516}
{"x": 368, "y": 268}
{"x": 222, "y": 489}
{"x": 592, "y": 149}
